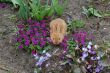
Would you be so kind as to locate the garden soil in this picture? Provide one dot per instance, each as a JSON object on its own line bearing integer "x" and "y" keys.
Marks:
{"x": 14, "y": 60}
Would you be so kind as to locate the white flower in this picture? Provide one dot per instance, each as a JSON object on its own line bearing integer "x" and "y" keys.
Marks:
{"x": 89, "y": 51}
{"x": 77, "y": 47}
{"x": 82, "y": 58}
{"x": 96, "y": 47}
{"x": 93, "y": 58}
{"x": 84, "y": 49}
{"x": 98, "y": 57}
{"x": 44, "y": 51}
{"x": 90, "y": 43}
{"x": 78, "y": 60}
{"x": 47, "y": 65}
{"x": 48, "y": 55}
{"x": 36, "y": 56}
{"x": 89, "y": 47}
{"x": 89, "y": 66}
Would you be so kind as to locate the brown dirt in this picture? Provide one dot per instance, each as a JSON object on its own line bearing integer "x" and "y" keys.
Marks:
{"x": 11, "y": 59}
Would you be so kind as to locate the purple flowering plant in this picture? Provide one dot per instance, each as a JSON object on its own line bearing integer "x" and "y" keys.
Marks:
{"x": 3, "y": 5}
{"x": 86, "y": 53}
{"x": 32, "y": 37}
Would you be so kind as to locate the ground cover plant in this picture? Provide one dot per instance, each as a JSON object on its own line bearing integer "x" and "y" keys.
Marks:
{"x": 32, "y": 37}
{"x": 74, "y": 24}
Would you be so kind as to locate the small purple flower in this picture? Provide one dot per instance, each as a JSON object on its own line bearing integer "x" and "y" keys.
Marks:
{"x": 17, "y": 39}
{"x": 80, "y": 37}
{"x": 30, "y": 21}
{"x": 97, "y": 70}
{"x": 65, "y": 49}
{"x": 35, "y": 29}
{"x": 34, "y": 41}
{"x": 84, "y": 54}
{"x": 26, "y": 37}
{"x": 93, "y": 58}
{"x": 3, "y": 5}
{"x": 21, "y": 32}
{"x": 34, "y": 52}
{"x": 36, "y": 24}
{"x": 20, "y": 46}
{"x": 43, "y": 21}
{"x": 37, "y": 34}
{"x": 42, "y": 42}
{"x": 28, "y": 32}
{"x": 43, "y": 25}
{"x": 44, "y": 33}
{"x": 92, "y": 52}
{"x": 27, "y": 43}
{"x": 20, "y": 26}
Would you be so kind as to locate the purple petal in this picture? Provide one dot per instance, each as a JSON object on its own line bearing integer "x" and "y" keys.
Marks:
{"x": 20, "y": 46}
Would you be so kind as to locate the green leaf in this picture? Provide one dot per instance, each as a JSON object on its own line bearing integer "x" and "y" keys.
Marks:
{"x": 59, "y": 8}
{"x": 31, "y": 47}
{"x": 47, "y": 47}
{"x": 78, "y": 23}
{"x": 94, "y": 12}
{"x": 15, "y": 2}
{"x": 85, "y": 11}
{"x": 38, "y": 47}
{"x": 17, "y": 44}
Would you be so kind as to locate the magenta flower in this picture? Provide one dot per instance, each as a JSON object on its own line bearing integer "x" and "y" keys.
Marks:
{"x": 43, "y": 25}
{"x": 43, "y": 21}
{"x": 80, "y": 37}
{"x": 36, "y": 24}
{"x": 27, "y": 43}
{"x": 19, "y": 40}
{"x": 28, "y": 32}
{"x": 3, "y": 5}
{"x": 34, "y": 52}
{"x": 30, "y": 21}
{"x": 21, "y": 32}
{"x": 20, "y": 46}
{"x": 35, "y": 33}
{"x": 35, "y": 29}
{"x": 20, "y": 26}
{"x": 34, "y": 41}
{"x": 42, "y": 42}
